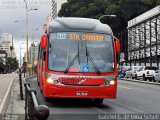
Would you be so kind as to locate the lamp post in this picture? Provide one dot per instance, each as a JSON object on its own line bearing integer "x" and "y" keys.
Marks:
{"x": 33, "y": 51}
{"x": 20, "y": 56}
{"x": 106, "y": 16}
{"x": 27, "y": 10}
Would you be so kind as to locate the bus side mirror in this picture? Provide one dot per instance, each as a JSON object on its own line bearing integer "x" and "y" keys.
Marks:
{"x": 117, "y": 49}
{"x": 117, "y": 46}
{"x": 44, "y": 42}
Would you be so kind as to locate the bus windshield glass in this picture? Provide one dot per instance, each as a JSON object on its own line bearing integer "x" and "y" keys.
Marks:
{"x": 81, "y": 52}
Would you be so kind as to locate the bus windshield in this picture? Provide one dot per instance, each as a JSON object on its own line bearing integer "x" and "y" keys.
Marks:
{"x": 81, "y": 52}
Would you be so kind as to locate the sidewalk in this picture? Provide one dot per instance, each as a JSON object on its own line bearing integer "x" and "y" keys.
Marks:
{"x": 6, "y": 82}
{"x": 16, "y": 105}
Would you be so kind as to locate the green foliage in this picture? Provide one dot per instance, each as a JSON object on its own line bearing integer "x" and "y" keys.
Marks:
{"x": 13, "y": 63}
{"x": 124, "y": 9}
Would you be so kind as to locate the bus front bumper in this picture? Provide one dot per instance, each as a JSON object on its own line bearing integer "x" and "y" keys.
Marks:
{"x": 51, "y": 91}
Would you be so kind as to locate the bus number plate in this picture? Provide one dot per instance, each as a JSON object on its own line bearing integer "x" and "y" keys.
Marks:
{"x": 81, "y": 93}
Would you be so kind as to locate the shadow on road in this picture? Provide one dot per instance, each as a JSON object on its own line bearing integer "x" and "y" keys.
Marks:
{"x": 75, "y": 103}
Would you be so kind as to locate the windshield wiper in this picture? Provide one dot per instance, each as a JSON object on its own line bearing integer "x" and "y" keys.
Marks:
{"x": 88, "y": 58}
{"x": 73, "y": 61}
{"x": 92, "y": 61}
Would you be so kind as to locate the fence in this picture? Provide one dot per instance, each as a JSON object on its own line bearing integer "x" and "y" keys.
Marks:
{"x": 33, "y": 111}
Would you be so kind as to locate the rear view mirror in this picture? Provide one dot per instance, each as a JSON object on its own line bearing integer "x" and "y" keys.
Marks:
{"x": 117, "y": 45}
{"x": 117, "y": 48}
{"x": 44, "y": 42}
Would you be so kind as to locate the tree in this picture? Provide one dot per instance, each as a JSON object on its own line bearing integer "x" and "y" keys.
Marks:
{"x": 13, "y": 63}
{"x": 124, "y": 9}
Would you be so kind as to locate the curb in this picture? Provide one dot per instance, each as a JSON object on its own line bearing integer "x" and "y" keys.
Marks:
{"x": 31, "y": 77}
{"x": 16, "y": 105}
{"x": 6, "y": 95}
{"x": 146, "y": 82}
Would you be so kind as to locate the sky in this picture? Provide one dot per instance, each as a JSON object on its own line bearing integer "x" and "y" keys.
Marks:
{"x": 14, "y": 10}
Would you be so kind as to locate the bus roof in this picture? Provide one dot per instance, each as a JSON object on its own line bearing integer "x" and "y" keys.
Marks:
{"x": 75, "y": 24}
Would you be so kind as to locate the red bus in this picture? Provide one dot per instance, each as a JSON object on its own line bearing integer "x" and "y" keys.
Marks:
{"x": 78, "y": 59}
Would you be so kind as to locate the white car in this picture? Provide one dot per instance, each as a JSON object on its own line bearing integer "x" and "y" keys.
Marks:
{"x": 132, "y": 71}
{"x": 156, "y": 76}
{"x": 146, "y": 73}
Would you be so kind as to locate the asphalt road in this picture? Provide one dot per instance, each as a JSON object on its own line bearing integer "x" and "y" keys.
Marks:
{"x": 132, "y": 98}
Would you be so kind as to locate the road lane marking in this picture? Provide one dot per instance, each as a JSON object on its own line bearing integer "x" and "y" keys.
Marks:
{"x": 125, "y": 87}
{"x": 6, "y": 95}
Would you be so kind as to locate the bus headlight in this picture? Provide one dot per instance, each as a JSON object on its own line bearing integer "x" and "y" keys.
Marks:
{"x": 52, "y": 81}
{"x": 109, "y": 83}
{"x": 112, "y": 82}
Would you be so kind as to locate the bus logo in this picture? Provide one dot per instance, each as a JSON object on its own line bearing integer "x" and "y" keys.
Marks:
{"x": 82, "y": 81}
{"x": 85, "y": 69}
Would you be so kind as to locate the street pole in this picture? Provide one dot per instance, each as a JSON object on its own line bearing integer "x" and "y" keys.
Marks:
{"x": 20, "y": 58}
{"x": 27, "y": 75}
{"x": 33, "y": 51}
{"x": 106, "y": 16}
{"x": 20, "y": 84}
{"x": 26, "y": 40}
{"x": 26, "y": 44}
{"x": 33, "y": 46}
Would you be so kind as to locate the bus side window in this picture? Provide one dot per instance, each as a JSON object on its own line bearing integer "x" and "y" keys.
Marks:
{"x": 39, "y": 53}
{"x": 43, "y": 54}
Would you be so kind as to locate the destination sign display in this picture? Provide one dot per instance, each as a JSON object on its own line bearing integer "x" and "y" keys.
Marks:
{"x": 81, "y": 36}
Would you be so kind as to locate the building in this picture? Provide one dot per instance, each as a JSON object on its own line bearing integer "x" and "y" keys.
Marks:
{"x": 32, "y": 58}
{"x": 54, "y": 9}
{"x": 53, "y": 13}
{"x": 49, "y": 18}
{"x": 144, "y": 38}
{"x": 6, "y": 44}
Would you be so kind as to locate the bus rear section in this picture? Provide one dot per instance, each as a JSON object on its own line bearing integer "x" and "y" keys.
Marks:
{"x": 78, "y": 60}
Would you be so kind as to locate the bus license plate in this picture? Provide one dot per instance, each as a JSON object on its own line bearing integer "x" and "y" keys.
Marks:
{"x": 81, "y": 93}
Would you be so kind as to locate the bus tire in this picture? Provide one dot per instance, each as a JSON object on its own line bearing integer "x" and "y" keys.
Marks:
{"x": 98, "y": 101}
{"x": 47, "y": 99}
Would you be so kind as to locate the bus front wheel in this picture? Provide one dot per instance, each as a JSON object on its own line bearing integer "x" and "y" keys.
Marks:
{"x": 98, "y": 101}
{"x": 47, "y": 99}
